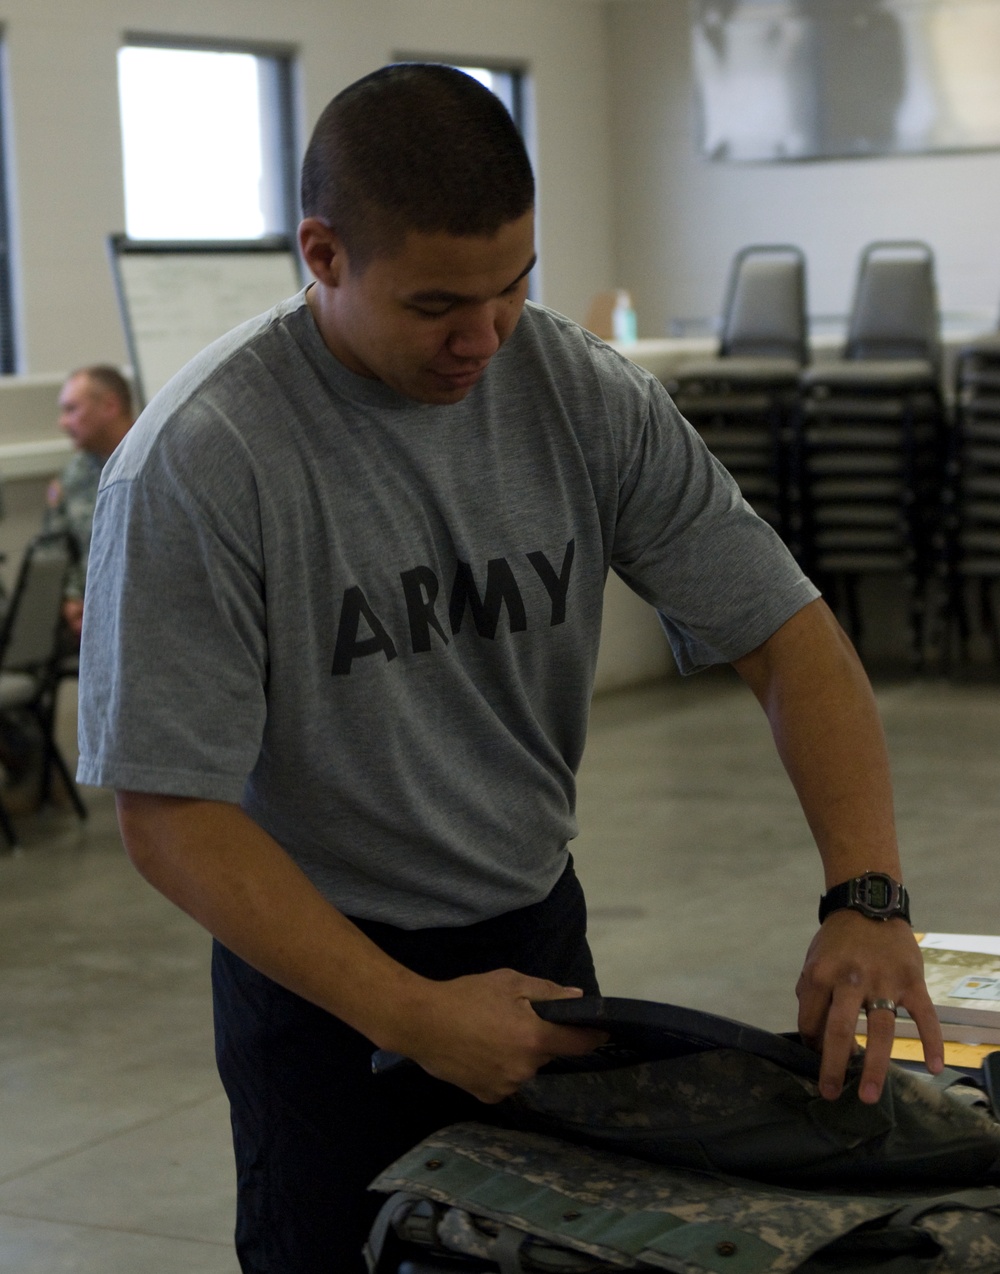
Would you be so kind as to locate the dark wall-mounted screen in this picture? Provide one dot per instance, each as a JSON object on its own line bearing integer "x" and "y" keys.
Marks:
{"x": 824, "y": 79}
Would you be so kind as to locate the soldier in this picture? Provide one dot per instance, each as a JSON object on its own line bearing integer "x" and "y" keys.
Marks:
{"x": 348, "y": 571}
{"x": 95, "y": 410}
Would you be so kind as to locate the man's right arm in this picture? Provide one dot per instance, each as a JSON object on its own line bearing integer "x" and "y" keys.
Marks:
{"x": 224, "y": 870}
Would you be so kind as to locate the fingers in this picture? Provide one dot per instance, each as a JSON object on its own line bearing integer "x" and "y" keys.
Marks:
{"x": 855, "y": 965}
{"x": 921, "y": 1008}
{"x": 835, "y": 1039}
{"x": 559, "y": 1041}
{"x": 481, "y": 1033}
{"x": 543, "y": 989}
{"x": 814, "y": 1004}
{"x": 572, "y": 1041}
{"x": 569, "y": 1041}
{"x": 878, "y": 1052}
{"x": 881, "y": 1031}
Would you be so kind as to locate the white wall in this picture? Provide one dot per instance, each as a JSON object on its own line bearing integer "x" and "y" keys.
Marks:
{"x": 679, "y": 218}
{"x": 65, "y": 159}
{"x": 65, "y": 146}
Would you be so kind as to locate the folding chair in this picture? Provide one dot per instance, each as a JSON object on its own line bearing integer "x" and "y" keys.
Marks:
{"x": 740, "y": 401}
{"x": 969, "y": 539}
{"x": 29, "y": 650}
{"x": 867, "y": 453}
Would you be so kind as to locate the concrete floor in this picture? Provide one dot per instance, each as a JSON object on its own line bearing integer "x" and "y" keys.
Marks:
{"x": 114, "y": 1152}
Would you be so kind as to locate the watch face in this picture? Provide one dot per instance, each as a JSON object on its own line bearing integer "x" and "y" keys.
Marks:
{"x": 879, "y": 892}
{"x": 874, "y": 894}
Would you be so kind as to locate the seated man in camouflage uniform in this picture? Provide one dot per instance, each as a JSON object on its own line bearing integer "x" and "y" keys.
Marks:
{"x": 95, "y": 410}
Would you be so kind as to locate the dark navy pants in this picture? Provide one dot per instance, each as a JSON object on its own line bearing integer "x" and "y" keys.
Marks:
{"x": 311, "y": 1125}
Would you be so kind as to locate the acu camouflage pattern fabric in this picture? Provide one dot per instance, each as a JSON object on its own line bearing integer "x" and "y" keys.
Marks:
{"x": 728, "y": 1110}
{"x": 74, "y": 513}
{"x": 518, "y": 1201}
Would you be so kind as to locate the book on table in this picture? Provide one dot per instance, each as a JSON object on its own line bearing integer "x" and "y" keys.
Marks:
{"x": 955, "y": 1032}
{"x": 967, "y": 1056}
{"x": 963, "y": 977}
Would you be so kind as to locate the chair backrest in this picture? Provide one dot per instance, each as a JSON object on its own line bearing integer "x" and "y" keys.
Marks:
{"x": 29, "y": 637}
{"x": 895, "y": 313}
{"x": 764, "y": 315}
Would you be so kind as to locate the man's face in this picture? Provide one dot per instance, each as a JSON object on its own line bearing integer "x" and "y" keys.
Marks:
{"x": 84, "y": 410}
{"x": 427, "y": 320}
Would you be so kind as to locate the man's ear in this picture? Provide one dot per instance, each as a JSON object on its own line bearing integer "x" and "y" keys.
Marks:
{"x": 108, "y": 407}
{"x": 322, "y": 250}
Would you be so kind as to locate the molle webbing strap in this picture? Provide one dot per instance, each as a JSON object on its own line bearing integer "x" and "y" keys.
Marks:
{"x": 537, "y": 1209}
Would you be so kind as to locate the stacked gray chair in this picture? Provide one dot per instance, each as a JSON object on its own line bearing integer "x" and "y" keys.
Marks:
{"x": 741, "y": 401}
{"x": 970, "y": 534}
{"x": 867, "y": 454}
{"x": 29, "y": 649}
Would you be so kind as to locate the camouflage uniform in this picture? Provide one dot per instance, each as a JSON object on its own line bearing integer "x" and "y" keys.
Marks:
{"x": 74, "y": 513}
{"x": 752, "y": 1172}
{"x": 503, "y": 1195}
{"x": 727, "y": 1110}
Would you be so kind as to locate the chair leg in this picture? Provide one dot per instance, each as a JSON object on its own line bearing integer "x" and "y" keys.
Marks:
{"x": 952, "y": 622}
{"x": 52, "y": 758}
{"x": 7, "y": 827}
{"x": 961, "y": 617}
{"x": 989, "y": 616}
{"x": 917, "y": 588}
{"x": 56, "y": 758}
{"x": 45, "y": 716}
{"x": 853, "y": 607}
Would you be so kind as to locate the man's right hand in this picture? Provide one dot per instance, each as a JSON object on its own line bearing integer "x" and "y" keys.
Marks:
{"x": 481, "y": 1033}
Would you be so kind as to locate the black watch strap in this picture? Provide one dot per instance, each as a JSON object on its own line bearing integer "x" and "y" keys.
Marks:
{"x": 874, "y": 894}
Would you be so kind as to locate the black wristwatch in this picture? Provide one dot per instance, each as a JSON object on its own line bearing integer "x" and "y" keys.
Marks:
{"x": 874, "y": 894}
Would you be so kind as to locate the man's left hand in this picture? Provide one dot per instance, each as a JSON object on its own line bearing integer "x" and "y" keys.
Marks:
{"x": 72, "y": 613}
{"x": 852, "y": 962}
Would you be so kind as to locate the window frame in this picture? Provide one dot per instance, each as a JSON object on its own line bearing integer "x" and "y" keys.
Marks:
{"x": 522, "y": 111}
{"x": 8, "y": 334}
{"x": 281, "y": 138}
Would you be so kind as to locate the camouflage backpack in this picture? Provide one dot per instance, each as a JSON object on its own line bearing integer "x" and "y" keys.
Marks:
{"x": 696, "y": 1145}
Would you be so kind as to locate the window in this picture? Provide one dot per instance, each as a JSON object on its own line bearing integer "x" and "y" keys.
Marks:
{"x": 508, "y": 86}
{"x": 509, "y": 83}
{"x": 8, "y": 353}
{"x": 207, "y": 141}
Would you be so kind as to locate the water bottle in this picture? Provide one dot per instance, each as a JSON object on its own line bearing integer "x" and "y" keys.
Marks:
{"x": 623, "y": 325}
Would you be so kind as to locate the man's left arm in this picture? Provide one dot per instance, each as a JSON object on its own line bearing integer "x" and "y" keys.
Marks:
{"x": 822, "y": 713}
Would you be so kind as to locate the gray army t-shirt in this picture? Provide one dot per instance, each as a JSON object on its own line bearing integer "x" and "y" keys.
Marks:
{"x": 374, "y": 623}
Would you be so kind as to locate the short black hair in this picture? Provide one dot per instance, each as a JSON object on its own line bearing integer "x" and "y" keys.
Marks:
{"x": 415, "y": 146}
